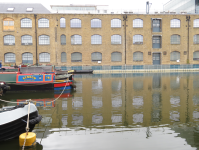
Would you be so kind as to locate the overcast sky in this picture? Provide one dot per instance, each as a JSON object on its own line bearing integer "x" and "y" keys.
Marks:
{"x": 120, "y": 4}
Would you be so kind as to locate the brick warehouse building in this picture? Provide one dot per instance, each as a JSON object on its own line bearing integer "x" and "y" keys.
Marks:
{"x": 99, "y": 39}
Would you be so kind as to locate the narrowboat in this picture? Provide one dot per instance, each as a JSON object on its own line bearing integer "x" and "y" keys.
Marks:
{"x": 38, "y": 78}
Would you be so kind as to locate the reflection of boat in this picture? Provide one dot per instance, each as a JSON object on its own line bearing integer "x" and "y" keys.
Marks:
{"x": 46, "y": 101}
{"x": 13, "y": 120}
{"x": 36, "y": 95}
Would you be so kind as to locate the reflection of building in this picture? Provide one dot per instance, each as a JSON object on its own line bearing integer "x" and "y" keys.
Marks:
{"x": 182, "y": 6}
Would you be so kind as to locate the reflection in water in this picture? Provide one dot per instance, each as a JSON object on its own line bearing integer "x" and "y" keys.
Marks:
{"x": 175, "y": 101}
{"x": 138, "y": 118}
{"x": 156, "y": 108}
{"x": 97, "y": 102}
{"x": 138, "y": 101}
{"x": 156, "y": 81}
{"x": 112, "y": 110}
{"x": 77, "y": 102}
{"x": 97, "y": 119}
{"x": 138, "y": 84}
{"x": 77, "y": 119}
{"x": 196, "y": 116}
{"x": 196, "y": 99}
{"x": 175, "y": 82}
{"x": 116, "y": 100}
{"x": 175, "y": 115}
{"x": 116, "y": 118}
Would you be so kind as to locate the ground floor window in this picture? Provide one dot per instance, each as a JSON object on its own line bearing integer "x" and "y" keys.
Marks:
{"x": 76, "y": 57}
{"x": 44, "y": 57}
{"x": 10, "y": 58}
{"x": 175, "y": 56}
{"x": 96, "y": 56}
{"x": 63, "y": 57}
{"x": 116, "y": 56}
{"x": 27, "y": 58}
{"x": 137, "y": 56}
{"x": 196, "y": 55}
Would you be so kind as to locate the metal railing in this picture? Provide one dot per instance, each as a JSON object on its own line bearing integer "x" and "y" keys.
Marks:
{"x": 129, "y": 67}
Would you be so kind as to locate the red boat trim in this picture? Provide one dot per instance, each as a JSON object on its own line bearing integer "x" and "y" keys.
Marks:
{"x": 62, "y": 84}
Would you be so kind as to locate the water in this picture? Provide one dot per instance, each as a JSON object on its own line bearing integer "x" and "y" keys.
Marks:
{"x": 119, "y": 111}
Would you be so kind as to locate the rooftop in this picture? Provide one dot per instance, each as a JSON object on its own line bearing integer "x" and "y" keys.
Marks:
{"x": 33, "y": 8}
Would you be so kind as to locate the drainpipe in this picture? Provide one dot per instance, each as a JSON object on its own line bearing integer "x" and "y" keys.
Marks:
{"x": 188, "y": 19}
{"x": 125, "y": 19}
{"x": 36, "y": 37}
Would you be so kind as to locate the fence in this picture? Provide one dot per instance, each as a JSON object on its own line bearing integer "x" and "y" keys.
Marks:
{"x": 194, "y": 67}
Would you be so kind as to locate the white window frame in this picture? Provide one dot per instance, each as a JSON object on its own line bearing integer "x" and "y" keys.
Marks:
{"x": 96, "y": 39}
{"x": 43, "y": 23}
{"x": 44, "y": 40}
{"x": 62, "y": 22}
{"x": 116, "y": 39}
{"x": 76, "y": 39}
{"x": 96, "y": 23}
{"x": 9, "y": 40}
{"x": 27, "y": 57}
{"x": 175, "y": 23}
{"x": 26, "y": 40}
{"x": 44, "y": 57}
{"x": 137, "y": 23}
{"x": 9, "y": 56}
{"x": 116, "y": 23}
{"x": 26, "y": 23}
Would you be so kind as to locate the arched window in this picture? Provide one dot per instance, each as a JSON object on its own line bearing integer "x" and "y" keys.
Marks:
{"x": 116, "y": 39}
{"x": 63, "y": 57}
{"x": 9, "y": 40}
{"x": 26, "y": 40}
{"x": 44, "y": 40}
{"x": 196, "y": 39}
{"x": 137, "y": 39}
{"x": 10, "y": 58}
{"x": 76, "y": 57}
{"x": 175, "y": 56}
{"x": 175, "y": 39}
{"x": 137, "y": 56}
{"x": 196, "y": 55}
{"x": 196, "y": 23}
{"x": 43, "y": 23}
{"x": 75, "y": 23}
{"x": 116, "y": 23}
{"x": 63, "y": 39}
{"x": 76, "y": 40}
{"x": 96, "y": 39}
{"x": 27, "y": 58}
{"x": 26, "y": 23}
{"x": 116, "y": 56}
{"x": 137, "y": 23}
{"x": 175, "y": 23}
{"x": 44, "y": 57}
{"x": 62, "y": 22}
{"x": 8, "y": 24}
{"x": 96, "y": 56}
{"x": 96, "y": 23}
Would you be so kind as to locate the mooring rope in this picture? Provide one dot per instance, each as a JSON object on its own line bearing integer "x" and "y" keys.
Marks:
{"x": 52, "y": 113}
{"x": 27, "y": 126}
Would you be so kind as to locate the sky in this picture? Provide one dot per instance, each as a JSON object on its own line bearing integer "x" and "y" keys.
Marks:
{"x": 157, "y": 5}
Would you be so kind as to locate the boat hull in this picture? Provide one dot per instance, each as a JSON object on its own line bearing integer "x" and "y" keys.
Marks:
{"x": 52, "y": 86}
{"x": 16, "y": 127}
